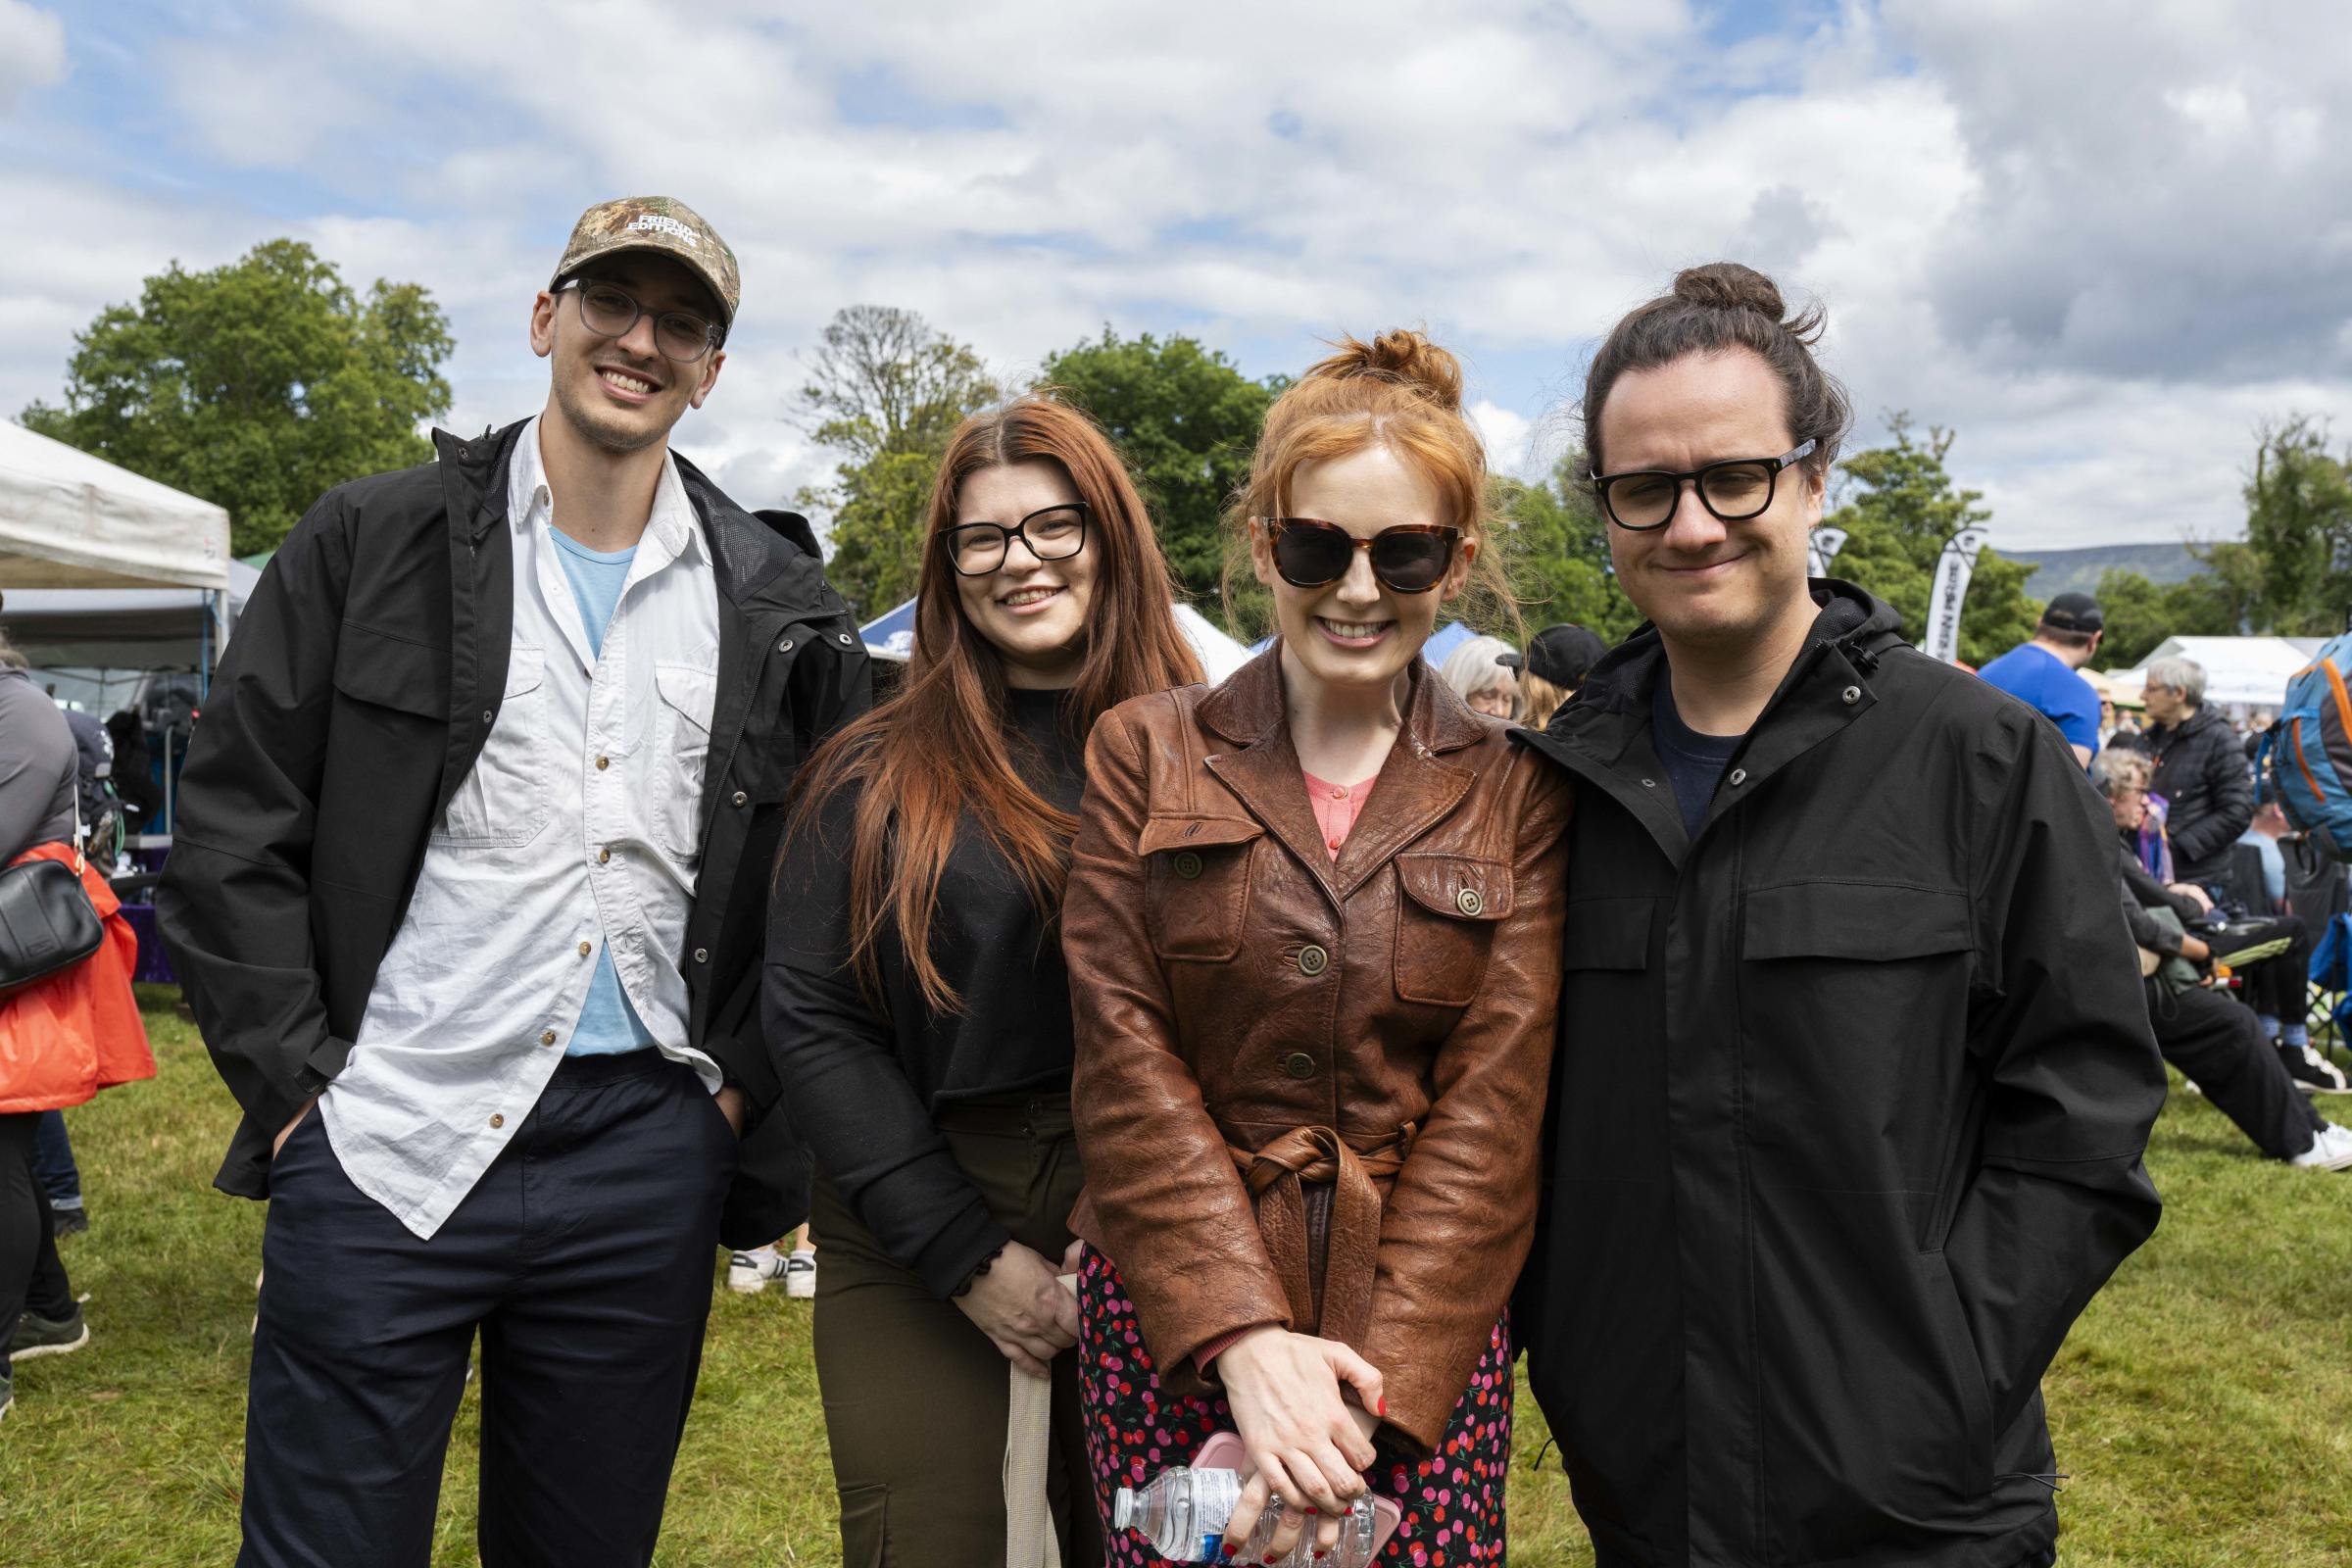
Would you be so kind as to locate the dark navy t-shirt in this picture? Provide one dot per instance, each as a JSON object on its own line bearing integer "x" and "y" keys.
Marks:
{"x": 1693, "y": 761}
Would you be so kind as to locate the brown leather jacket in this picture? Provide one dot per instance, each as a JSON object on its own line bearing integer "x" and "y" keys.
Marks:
{"x": 1306, "y": 1094}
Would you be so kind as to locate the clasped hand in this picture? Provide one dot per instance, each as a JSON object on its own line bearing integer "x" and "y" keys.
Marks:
{"x": 1020, "y": 1304}
{"x": 1306, "y": 1445}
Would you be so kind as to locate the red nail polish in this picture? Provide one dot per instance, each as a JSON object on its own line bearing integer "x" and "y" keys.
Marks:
{"x": 1383, "y": 1406}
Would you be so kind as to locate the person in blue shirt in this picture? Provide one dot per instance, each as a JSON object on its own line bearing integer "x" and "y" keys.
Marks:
{"x": 2045, "y": 673}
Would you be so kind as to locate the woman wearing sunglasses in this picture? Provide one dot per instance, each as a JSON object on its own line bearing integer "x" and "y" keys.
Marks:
{"x": 917, "y": 1007}
{"x": 1315, "y": 937}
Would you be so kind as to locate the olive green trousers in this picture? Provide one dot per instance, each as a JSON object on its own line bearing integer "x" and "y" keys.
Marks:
{"x": 915, "y": 1396}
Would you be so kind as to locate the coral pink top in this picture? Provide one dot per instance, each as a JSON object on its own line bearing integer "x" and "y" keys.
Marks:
{"x": 1337, "y": 806}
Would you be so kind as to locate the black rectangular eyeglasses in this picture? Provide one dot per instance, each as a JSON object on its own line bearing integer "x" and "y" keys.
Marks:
{"x": 1733, "y": 490}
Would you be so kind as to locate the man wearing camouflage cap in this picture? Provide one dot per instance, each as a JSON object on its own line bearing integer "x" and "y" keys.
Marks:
{"x": 466, "y": 893}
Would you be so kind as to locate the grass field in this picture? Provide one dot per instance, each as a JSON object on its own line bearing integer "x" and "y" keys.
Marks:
{"x": 2203, "y": 1406}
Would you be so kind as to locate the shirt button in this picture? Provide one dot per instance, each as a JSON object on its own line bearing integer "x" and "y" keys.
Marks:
{"x": 1339, "y": 795}
{"x": 1851, "y": 696}
{"x": 603, "y": 855}
{"x": 602, "y": 763}
{"x": 1312, "y": 960}
{"x": 1739, "y": 775}
{"x": 1298, "y": 1064}
{"x": 498, "y": 1121}
{"x": 1335, "y": 844}
{"x": 547, "y": 1037}
{"x": 740, "y": 799}
{"x": 584, "y": 950}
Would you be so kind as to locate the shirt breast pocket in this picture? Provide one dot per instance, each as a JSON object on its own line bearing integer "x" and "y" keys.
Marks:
{"x": 1196, "y": 884}
{"x": 1446, "y": 921}
{"x": 683, "y": 756}
{"x": 508, "y": 795}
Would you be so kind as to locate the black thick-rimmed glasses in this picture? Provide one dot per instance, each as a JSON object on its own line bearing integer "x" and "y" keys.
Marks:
{"x": 1410, "y": 558}
{"x": 1051, "y": 533}
{"x": 610, "y": 311}
{"x": 1733, "y": 490}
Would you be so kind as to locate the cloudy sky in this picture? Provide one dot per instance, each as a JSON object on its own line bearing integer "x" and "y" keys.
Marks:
{"x": 2103, "y": 241}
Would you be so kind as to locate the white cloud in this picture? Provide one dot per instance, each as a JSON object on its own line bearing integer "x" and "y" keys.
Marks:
{"x": 2101, "y": 242}
{"x": 33, "y": 52}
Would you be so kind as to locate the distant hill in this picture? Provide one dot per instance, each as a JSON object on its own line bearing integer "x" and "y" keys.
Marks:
{"x": 2063, "y": 571}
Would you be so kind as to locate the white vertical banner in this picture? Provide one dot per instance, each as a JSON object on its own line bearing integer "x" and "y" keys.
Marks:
{"x": 1821, "y": 549}
{"x": 1953, "y": 570}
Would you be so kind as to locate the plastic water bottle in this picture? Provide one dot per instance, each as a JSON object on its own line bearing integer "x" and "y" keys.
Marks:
{"x": 1183, "y": 1511}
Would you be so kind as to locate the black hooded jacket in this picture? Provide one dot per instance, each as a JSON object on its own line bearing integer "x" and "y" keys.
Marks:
{"x": 1848, "y": 1117}
{"x": 363, "y": 681}
{"x": 2201, "y": 773}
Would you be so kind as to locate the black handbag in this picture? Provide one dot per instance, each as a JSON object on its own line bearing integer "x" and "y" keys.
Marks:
{"x": 46, "y": 920}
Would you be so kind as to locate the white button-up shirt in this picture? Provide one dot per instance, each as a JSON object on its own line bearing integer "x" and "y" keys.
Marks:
{"x": 576, "y": 830}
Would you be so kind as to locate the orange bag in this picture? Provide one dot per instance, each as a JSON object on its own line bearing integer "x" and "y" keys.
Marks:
{"x": 65, "y": 1036}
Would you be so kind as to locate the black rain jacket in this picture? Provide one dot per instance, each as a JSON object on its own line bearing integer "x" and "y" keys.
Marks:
{"x": 2202, "y": 775}
{"x": 1848, "y": 1117}
{"x": 360, "y": 684}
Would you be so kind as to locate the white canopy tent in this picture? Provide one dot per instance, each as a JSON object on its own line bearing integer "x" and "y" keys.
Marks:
{"x": 2247, "y": 671}
{"x": 72, "y": 521}
{"x": 112, "y": 629}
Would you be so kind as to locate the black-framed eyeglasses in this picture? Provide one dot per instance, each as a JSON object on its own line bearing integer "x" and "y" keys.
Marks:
{"x": 1409, "y": 558}
{"x": 611, "y": 311}
{"x": 1735, "y": 490}
{"x": 1051, "y": 533}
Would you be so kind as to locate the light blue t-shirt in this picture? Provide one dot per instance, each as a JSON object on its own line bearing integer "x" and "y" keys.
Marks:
{"x": 2274, "y": 866}
{"x": 608, "y": 1023}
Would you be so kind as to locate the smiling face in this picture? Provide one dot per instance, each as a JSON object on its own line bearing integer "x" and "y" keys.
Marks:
{"x": 624, "y": 394}
{"x": 1709, "y": 584}
{"x": 1035, "y": 613}
{"x": 1358, "y": 632}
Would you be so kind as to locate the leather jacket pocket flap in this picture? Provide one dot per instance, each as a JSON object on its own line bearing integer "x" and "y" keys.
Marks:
{"x": 1607, "y": 934}
{"x": 1196, "y": 884}
{"x": 1194, "y": 833}
{"x": 1869, "y": 921}
{"x": 391, "y": 671}
{"x": 1456, "y": 886}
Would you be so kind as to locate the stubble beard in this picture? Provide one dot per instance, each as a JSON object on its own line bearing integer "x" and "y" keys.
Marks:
{"x": 597, "y": 426}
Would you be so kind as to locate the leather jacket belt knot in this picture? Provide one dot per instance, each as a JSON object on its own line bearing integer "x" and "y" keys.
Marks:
{"x": 1278, "y": 1176}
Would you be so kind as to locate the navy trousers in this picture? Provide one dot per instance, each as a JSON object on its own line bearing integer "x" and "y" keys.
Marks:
{"x": 583, "y": 1258}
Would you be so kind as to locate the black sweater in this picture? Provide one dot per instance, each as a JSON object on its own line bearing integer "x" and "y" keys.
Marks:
{"x": 861, "y": 1085}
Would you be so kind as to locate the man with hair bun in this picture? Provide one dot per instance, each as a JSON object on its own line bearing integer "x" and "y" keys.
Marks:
{"x": 1855, "y": 1075}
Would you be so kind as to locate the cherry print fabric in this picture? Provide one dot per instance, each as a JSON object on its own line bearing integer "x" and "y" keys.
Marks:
{"x": 1452, "y": 1501}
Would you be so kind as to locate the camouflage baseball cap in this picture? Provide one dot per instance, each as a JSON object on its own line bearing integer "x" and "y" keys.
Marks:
{"x": 658, "y": 224}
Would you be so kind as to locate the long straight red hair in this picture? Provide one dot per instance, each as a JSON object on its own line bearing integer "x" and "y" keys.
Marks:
{"x": 936, "y": 752}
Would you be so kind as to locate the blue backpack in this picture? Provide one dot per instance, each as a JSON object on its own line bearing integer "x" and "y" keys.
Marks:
{"x": 2307, "y": 756}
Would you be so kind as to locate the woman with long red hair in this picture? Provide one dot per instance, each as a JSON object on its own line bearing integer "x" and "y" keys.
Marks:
{"x": 917, "y": 1001}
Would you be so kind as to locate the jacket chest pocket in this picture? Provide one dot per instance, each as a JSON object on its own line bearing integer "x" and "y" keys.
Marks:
{"x": 1196, "y": 884}
{"x": 1446, "y": 912}
{"x": 1853, "y": 1001}
{"x": 682, "y": 756}
{"x": 508, "y": 795}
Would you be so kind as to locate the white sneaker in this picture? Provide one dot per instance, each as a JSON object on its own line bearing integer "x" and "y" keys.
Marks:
{"x": 800, "y": 1276}
{"x": 2332, "y": 1149}
{"x": 748, "y": 1273}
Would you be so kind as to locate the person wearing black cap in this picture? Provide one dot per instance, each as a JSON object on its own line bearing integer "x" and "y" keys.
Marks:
{"x": 2044, "y": 673}
{"x": 1556, "y": 663}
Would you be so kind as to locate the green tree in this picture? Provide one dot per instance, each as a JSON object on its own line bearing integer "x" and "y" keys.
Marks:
{"x": 1901, "y": 507}
{"x": 2139, "y": 614}
{"x": 886, "y": 389}
{"x": 2299, "y": 528}
{"x": 1557, "y": 551}
{"x": 1186, "y": 420}
{"x": 258, "y": 385}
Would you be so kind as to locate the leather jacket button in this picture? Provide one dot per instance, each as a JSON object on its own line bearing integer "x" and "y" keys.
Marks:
{"x": 1188, "y": 865}
{"x": 1298, "y": 1064}
{"x": 1468, "y": 901}
{"x": 1313, "y": 960}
